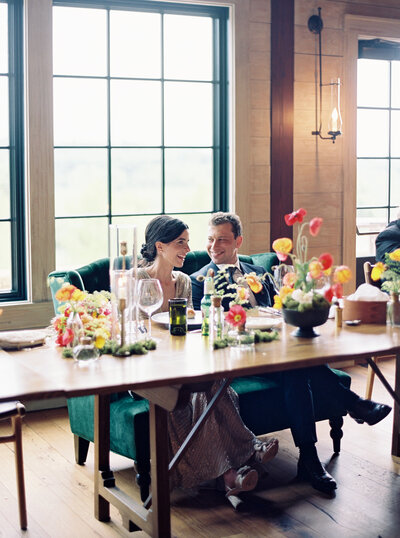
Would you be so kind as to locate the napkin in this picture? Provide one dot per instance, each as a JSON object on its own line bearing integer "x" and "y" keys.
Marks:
{"x": 367, "y": 292}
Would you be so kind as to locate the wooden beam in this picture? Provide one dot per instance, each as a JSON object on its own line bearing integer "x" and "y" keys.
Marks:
{"x": 282, "y": 105}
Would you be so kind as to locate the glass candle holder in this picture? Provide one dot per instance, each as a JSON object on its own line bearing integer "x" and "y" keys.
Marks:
{"x": 121, "y": 300}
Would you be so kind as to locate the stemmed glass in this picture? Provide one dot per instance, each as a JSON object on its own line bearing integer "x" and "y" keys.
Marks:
{"x": 150, "y": 297}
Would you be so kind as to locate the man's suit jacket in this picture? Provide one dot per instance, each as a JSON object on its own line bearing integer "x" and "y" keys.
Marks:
{"x": 388, "y": 240}
{"x": 263, "y": 298}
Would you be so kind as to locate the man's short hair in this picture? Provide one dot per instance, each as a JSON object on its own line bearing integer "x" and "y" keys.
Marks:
{"x": 231, "y": 218}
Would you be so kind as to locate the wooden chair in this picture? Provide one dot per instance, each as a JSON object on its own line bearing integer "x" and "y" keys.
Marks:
{"x": 15, "y": 411}
{"x": 371, "y": 374}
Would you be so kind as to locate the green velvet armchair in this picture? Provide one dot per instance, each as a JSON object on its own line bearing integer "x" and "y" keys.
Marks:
{"x": 129, "y": 428}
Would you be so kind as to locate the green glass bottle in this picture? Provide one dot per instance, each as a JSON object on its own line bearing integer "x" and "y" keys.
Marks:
{"x": 205, "y": 305}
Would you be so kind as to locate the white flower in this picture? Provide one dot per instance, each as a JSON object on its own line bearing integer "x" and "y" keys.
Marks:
{"x": 301, "y": 297}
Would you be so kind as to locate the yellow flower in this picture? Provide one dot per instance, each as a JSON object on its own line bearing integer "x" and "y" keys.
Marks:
{"x": 342, "y": 274}
{"x": 78, "y": 295}
{"x": 254, "y": 282}
{"x": 395, "y": 256}
{"x": 282, "y": 247}
{"x": 315, "y": 269}
{"x": 277, "y": 302}
{"x": 65, "y": 292}
{"x": 377, "y": 270}
{"x": 285, "y": 290}
{"x": 242, "y": 293}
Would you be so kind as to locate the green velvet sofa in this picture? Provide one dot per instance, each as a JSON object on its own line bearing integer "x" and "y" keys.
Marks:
{"x": 129, "y": 428}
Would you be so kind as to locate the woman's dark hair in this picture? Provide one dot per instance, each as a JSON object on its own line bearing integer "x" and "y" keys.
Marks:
{"x": 163, "y": 228}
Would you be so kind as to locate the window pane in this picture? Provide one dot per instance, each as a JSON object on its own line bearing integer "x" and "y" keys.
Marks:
{"x": 198, "y": 228}
{"x": 394, "y": 213}
{"x": 371, "y": 220}
{"x": 5, "y": 258}
{"x": 80, "y": 241}
{"x": 188, "y": 47}
{"x": 188, "y": 114}
{"x": 129, "y": 32}
{"x": 80, "y": 182}
{"x": 395, "y": 182}
{"x": 396, "y": 84}
{"x": 136, "y": 180}
{"x": 4, "y": 125}
{"x": 4, "y": 184}
{"x": 365, "y": 245}
{"x": 372, "y": 182}
{"x": 395, "y": 140}
{"x": 79, "y": 41}
{"x": 373, "y": 83}
{"x": 80, "y": 112}
{"x": 135, "y": 113}
{"x": 188, "y": 180}
{"x": 3, "y": 39}
{"x": 372, "y": 133}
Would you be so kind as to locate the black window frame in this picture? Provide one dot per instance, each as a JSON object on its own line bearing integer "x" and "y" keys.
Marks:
{"x": 220, "y": 146}
{"x": 16, "y": 149}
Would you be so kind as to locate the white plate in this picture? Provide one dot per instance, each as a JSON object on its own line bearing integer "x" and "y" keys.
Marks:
{"x": 261, "y": 322}
{"x": 163, "y": 319}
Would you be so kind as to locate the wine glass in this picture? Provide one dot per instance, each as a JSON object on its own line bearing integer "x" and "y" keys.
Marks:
{"x": 150, "y": 297}
{"x": 280, "y": 271}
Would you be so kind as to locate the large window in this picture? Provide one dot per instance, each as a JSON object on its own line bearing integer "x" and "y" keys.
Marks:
{"x": 378, "y": 141}
{"x": 12, "y": 224}
{"x": 140, "y": 120}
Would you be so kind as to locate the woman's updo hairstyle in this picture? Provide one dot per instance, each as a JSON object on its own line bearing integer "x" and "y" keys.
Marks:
{"x": 164, "y": 229}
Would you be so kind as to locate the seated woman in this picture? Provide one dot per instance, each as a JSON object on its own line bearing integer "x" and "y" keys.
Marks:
{"x": 224, "y": 446}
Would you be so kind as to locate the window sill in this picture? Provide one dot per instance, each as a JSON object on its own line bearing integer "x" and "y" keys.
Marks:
{"x": 26, "y": 315}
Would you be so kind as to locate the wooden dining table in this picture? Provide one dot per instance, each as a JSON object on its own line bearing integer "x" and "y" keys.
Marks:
{"x": 180, "y": 364}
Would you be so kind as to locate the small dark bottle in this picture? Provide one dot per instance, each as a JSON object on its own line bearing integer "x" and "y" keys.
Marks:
{"x": 177, "y": 317}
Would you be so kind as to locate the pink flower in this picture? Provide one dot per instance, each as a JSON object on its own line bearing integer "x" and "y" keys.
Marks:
{"x": 236, "y": 315}
{"x": 315, "y": 225}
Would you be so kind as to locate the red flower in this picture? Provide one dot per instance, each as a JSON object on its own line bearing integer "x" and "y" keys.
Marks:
{"x": 295, "y": 216}
{"x": 326, "y": 260}
{"x": 337, "y": 290}
{"x": 328, "y": 294}
{"x": 67, "y": 337}
{"x": 315, "y": 225}
{"x": 236, "y": 315}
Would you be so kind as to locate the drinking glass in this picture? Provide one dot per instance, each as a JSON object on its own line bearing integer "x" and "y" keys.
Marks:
{"x": 150, "y": 297}
{"x": 279, "y": 272}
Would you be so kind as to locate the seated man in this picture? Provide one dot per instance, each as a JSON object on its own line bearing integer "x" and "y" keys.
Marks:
{"x": 223, "y": 243}
{"x": 388, "y": 239}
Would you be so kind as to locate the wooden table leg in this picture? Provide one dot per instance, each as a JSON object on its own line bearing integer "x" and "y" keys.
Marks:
{"x": 102, "y": 472}
{"x": 396, "y": 412}
{"x": 161, "y": 518}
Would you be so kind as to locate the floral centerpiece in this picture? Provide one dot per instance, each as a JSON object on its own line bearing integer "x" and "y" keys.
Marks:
{"x": 308, "y": 287}
{"x": 389, "y": 272}
{"x": 94, "y": 312}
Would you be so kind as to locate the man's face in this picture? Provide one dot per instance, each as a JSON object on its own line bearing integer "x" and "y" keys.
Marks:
{"x": 222, "y": 246}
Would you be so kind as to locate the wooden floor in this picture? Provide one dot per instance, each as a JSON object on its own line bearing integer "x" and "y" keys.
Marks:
{"x": 367, "y": 502}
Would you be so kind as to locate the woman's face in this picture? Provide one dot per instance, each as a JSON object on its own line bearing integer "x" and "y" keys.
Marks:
{"x": 174, "y": 252}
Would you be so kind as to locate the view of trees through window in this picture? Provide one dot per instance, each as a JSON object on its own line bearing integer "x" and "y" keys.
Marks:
{"x": 378, "y": 149}
{"x": 139, "y": 122}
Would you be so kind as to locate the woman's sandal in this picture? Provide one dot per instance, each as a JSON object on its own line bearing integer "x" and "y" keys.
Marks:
{"x": 246, "y": 480}
{"x": 265, "y": 451}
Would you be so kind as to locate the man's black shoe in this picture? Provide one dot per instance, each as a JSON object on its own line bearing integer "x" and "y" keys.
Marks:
{"x": 314, "y": 472}
{"x": 369, "y": 412}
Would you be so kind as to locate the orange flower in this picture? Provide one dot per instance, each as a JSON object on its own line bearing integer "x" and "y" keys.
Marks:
{"x": 236, "y": 315}
{"x": 289, "y": 279}
{"x": 377, "y": 270}
{"x": 315, "y": 269}
{"x": 295, "y": 216}
{"x": 342, "y": 274}
{"x": 277, "y": 302}
{"x": 282, "y": 247}
{"x": 395, "y": 256}
{"x": 254, "y": 282}
{"x": 326, "y": 260}
{"x": 315, "y": 225}
{"x": 65, "y": 292}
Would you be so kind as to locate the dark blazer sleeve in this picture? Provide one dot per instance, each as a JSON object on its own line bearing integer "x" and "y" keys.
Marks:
{"x": 266, "y": 296}
{"x": 388, "y": 240}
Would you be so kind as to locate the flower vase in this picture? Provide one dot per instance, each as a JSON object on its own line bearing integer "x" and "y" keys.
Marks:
{"x": 394, "y": 309}
{"x": 75, "y": 325}
{"x": 305, "y": 321}
{"x": 241, "y": 337}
